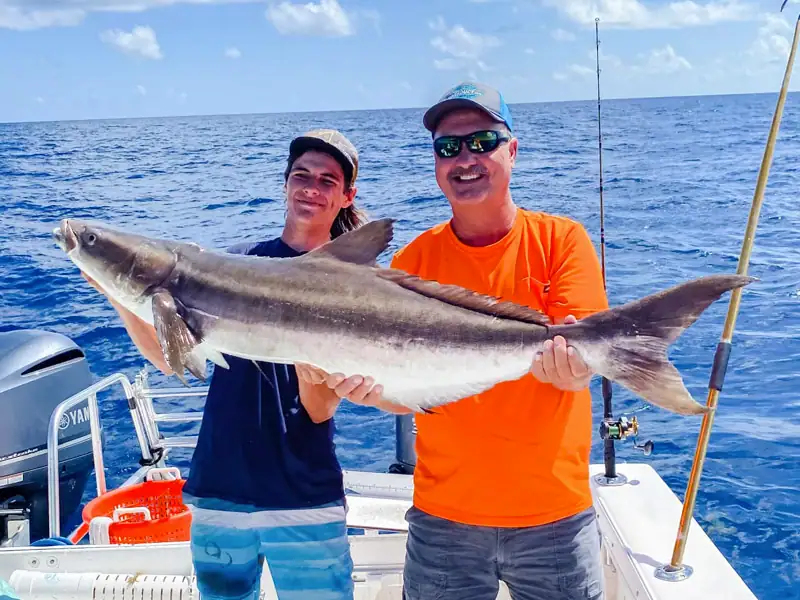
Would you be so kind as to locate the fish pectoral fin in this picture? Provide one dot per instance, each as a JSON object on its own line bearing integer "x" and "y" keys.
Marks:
{"x": 459, "y": 296}
{"x": 196, "y": 363}
{"x": 215, "y": 357}
{"x": 175, "y": 338}
{"x": 360, "y": 246}
{"x": 198, "y": 357}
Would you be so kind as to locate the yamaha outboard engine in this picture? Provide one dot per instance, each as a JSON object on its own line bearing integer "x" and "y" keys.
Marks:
{"x": 405, "y": 431}
{"x": 38, "y": 371}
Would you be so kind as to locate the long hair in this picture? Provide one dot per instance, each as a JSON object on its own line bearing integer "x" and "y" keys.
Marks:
{"x": 349, "y": 218}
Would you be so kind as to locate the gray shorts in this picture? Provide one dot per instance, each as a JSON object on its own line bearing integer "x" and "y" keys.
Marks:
{"x": 452, "y": 561}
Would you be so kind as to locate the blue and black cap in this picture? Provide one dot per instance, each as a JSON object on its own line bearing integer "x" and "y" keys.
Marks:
{"x": 469, "y": 95}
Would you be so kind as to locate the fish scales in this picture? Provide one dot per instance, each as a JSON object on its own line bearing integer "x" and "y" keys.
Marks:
{"x": 305, "y": 297}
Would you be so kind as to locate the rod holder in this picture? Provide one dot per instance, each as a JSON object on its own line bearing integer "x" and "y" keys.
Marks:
{"x": 673, "y": 574}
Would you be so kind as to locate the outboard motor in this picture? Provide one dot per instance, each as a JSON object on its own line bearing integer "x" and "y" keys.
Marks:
{"x": 405, "y": 431}
{"x": 38, "y": 371}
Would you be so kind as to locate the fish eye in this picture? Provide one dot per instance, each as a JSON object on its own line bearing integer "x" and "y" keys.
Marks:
{"x": 91, "y": 238}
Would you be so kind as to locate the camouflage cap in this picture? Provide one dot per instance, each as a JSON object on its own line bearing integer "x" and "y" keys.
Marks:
{"x": 333, "y": 142}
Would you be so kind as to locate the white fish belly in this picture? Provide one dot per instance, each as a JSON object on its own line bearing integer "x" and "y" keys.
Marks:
{"x": 414, "y": 374}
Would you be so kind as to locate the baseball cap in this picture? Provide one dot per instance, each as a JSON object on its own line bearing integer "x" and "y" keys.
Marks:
{"x": 332, "y": 141}
{"x": 469, "y": 95}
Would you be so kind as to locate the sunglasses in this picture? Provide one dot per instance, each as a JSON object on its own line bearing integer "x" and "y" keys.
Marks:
{"x": 478, "y": 142}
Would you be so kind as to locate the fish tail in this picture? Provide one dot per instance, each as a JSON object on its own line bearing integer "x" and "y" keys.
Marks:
{"x": 628, "y": 344}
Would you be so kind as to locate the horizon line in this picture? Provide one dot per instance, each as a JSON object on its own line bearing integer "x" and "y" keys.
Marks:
{"x": 407, "y": 108}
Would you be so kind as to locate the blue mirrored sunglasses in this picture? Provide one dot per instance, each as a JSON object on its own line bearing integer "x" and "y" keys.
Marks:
{"x": 478, "y": 142}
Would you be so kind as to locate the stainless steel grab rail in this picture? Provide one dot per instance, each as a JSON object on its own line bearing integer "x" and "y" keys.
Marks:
{"x": 145, "y": 422}
{"x": 145, "y": 396}
{"x": 90, "y": 394}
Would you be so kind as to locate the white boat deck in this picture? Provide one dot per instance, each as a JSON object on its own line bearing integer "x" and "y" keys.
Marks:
{"x": 638, "y": 521}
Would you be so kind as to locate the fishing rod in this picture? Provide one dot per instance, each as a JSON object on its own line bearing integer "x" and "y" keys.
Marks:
{"x": 676, "y": 570}
{"x": 610, "y": 430}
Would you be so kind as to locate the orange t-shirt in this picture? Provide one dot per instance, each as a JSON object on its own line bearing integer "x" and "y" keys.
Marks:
{"x": 518, "y": 454}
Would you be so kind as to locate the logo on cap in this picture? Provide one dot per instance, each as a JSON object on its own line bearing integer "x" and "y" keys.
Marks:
{"x": 464, "y": 90}
{"x": 327, "y": 135}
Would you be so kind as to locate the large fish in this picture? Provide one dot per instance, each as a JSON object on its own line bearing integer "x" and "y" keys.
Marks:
{"x": 427, "y": 344}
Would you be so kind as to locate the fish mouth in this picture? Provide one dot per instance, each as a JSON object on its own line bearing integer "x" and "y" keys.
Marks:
{"x": 65, "y": 237}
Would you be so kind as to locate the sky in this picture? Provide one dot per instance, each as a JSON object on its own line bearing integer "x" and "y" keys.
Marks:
{"x": 84, "y": 59}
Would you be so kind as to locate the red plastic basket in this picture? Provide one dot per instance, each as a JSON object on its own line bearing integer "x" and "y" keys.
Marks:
{"x": 148, "y": 512}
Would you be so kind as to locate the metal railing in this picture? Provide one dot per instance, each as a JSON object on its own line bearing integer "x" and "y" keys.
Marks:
{"x": 145, "y": 395}
{"x": 145, "y": 422}
{"x": 153, "y": 444}
{"x": 89, "y": 394}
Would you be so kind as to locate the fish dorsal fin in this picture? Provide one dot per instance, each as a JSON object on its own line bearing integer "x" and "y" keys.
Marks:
{"x": 360, "y": 246}
{"x": 459, "y": 296}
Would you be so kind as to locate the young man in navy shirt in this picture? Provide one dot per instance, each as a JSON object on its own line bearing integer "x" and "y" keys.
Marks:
{"x": 265, "y": 482}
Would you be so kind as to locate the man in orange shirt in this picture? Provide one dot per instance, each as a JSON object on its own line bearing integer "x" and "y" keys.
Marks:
{"x": 501, "y": 485}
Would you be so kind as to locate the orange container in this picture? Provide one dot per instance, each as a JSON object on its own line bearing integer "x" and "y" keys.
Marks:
{"x": 148, "y": 512}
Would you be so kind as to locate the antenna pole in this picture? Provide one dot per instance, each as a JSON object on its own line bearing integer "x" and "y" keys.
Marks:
{"x": 676, "y": 571}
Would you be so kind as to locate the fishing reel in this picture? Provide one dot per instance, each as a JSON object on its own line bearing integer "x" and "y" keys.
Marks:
{"x": 622, "y": 428}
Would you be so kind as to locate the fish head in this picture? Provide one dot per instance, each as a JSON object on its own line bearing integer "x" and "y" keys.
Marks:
{"x": 125, "y": 265}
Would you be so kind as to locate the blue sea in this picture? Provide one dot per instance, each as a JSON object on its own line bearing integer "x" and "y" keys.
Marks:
{"x": 679, "y": 179}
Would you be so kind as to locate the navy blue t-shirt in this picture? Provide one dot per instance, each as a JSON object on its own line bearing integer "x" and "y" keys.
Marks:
{"x": 257, "y": 445}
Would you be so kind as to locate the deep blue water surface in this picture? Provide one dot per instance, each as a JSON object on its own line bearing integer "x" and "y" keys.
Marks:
{"x": 680, "y": 175}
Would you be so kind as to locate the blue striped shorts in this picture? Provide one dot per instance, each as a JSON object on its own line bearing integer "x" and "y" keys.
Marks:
{"x": 306, "y": 550}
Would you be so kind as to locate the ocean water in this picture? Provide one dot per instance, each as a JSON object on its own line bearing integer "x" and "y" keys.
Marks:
{"x": 679, "y": 179}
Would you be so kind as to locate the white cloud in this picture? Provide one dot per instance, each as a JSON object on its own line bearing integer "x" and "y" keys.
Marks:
{"x": 233, "y": 53}
{"x": 14, "y": 16}
{"x": 459, "y": 42}
{"x": 562, "y": 35}
{"x": 465, "y": 48}
{"x": 463, "y": 44}
{"x": 327, "y": 18}
{"x": 142, "y": 90}
{"x": 773, "y": 43}
{"x": 658, "y": 61}
{"x": 665, "y": 60}
{"x": 582, "y": 70}
{"x": 574, "y": 69}
{"x": 768, "y": 51}
{"x": 140, "y": 41}
{"x": 25, "y": 15}
{"x": 635, "y": 14}
{"x": 611, "y": 60}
